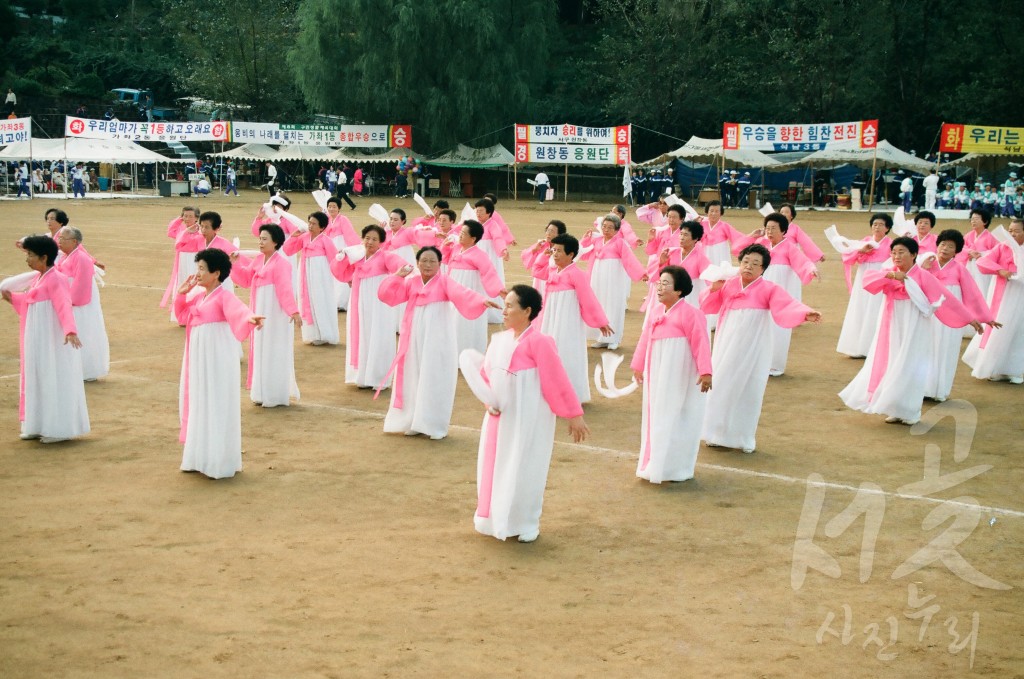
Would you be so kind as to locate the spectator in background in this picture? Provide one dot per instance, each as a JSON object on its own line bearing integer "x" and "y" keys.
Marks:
{"x": 542, "y": 182}
{"x": 343, "y": 187}
{"x": 81, "y": 111}
{"x": 742, "y": 189}
{"x": 357, "y": 181}
{"x": 11, "y": 102}
{"x": 271, "y": 179}
{"x": 202, "y": 187}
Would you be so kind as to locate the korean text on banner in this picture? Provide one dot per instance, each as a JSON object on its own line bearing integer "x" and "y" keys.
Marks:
{"x": 13, "y": 130}
{"x": 861, "y": 134}
{"x": 574, "y": 144}
{"x": 89, "y": 128}
{"x": 981, "y": 139}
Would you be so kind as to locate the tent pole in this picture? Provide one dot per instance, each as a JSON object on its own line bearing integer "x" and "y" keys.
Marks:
{"x": 871, "y": 191}
{"x": 515, "y": 181}
{"x": 31, "y": 170}
{"x": 67, "y": 173}
{"x": 565, "y": 189}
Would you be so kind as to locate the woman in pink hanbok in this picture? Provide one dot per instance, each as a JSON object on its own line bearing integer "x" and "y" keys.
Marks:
{"x": 654, "y": 213}
{"x": 271, "y": 373}
{"x": 924, "y": 223}
{"x": 317, "y": 301}
{"x": 495, "y": 242}
{"x": 80, "y": 268}
{"x": 537, "y": 257}
{"x": 628, "y": 234}
{"x": 999, "y": 355}
{"x": 688, "y": 252}
{"x": 470, "y": 267}
{"x": 442, "y": 234}
{"x": 862, "y": 311}
{"x": 612, "y": 268}
{"x": 370, "y": 325}
{"x": 401, "y": 238}
{"x": 797, "y": 234}
{"x": 720, "y": 240}
{"x": 216, "y": 322}
{"x": 672, "y": 362}
{"x": 51, "y": 403}
{"x": 945, "y": 340}
{"x": 892, "y": 380}
{"x": 977, "y": 242}
{"x": 527, "y": 388}
{"x": 426, "y": 367}
{"x": 570, "y": 307}
{"x": 341, "y": 233}
{"x": 660, "y": 239}
{"x": 741, "y": 356}
{"x": 179, "y": 230}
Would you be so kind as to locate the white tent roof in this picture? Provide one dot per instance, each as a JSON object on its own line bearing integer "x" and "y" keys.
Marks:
{"x": 972, "y": 158}
{"x": 887, "y": 155}
{"x": 294, "y": 152}
{"x": 350, "y": 156}
{"x": 699, "y": 149}
{"x": 84, "y": 150}
{"x": 248, "y": 152}
{"x": 466, "y": 156}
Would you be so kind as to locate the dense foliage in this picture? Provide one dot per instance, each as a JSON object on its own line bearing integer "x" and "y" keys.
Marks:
{"x": 459, "y": 70}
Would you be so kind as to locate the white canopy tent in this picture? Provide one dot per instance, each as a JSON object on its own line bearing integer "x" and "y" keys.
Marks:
{"x": 248, "y": 152}
{"x": 389, "y": 156}
{"x": 72, "y": 150}
{"x": 292, "y": 152}
{"x": 886, "y": 154}
{"x": 467, "y": 156}
{"x": 710, "y": 151}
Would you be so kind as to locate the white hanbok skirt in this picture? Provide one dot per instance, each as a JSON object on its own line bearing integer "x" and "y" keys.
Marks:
{"x": 430, "y": 374}
{"x": 186, "y": 267}
{"x": 716, "y": 254}
{"x": 1003, "y": 355}
{"x": 783, "y": 276}
{"x": 611, "y": 285}
{"x": 901, "y": 391}
{"x": 740, "y": 357}
{"x": 213, "y": 438}
{"x": 946, "y": 343}
{"x": 862, "y": 312}
{"x": 673, "y": 411}
{"x": 93, "y": 333}
{"x": 52, "y": 372}
{"x": 494, "y": 315}
{"x": 985, "y": 282}
{"x": 378, "y": 324}
{"x": 273, "y": 352}
{"x": 525, "y": 438}
{"x": 342, "y": 291}
{"x": 470, "y": 333}
{"x": 563, "y": 322}
{"x": 322, "y": 304}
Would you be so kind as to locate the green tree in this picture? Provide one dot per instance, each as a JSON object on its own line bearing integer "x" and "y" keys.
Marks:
{"x": 456, "y": 70}
{"x": 233, "y": 51}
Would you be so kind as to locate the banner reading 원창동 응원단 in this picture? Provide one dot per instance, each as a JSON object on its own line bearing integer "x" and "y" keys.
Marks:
{"x": 859, "y": 134}
{"x": 573, "y": 144}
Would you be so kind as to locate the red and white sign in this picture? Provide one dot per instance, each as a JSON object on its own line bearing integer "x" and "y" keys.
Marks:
{"x": 862, "y": 134}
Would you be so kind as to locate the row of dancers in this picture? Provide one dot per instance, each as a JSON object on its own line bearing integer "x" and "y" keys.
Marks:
{"x": 674, "y": 360}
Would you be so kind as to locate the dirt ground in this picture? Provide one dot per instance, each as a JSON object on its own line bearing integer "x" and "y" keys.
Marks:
{"x": 342, "y": 552}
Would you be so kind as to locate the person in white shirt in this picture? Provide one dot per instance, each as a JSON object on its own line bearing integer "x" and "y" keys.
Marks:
{"x": 202, "y": 187}
{"x": 931, "y": 189}
{"x": 906, "y": 192}
{"x": 542, "y": 182}
{"x": 271, "y": 179}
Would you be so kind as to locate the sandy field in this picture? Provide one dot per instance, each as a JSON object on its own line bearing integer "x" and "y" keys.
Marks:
{"x": 342, "y": 552}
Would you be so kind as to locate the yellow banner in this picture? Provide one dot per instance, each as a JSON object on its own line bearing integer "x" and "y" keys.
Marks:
{"x": 982, "y": 139}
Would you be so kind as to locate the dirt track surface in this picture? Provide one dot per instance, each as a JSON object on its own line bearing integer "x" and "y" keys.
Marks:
{"x": 340, "y": 551}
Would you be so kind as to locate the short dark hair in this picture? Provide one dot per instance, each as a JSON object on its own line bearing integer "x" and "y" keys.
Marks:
{"x": 779, "y": 219}
{"x": 450, "y": 214}
{"x": 681, "y": 279}
{"x": 321, "y": 218}
{"x": 884, "y": 217}
{"x": 41, "y": 246}
{"x": 757, "y": 249}
{"x": 474, "y": 228}
{"x": 678, "y": 209}
{"x": 212, "y": 217}
{"x": 695, "y": 228}
{"x": 620, "y": 210}
{"x": 792, "y": 209}
{"x": 59, "y": 216}
{"x": 335, "y": 200}
{"x": 491, "y": 197}
{"x": 400, "y": 212}
{"x": 907, "y": 242}
{"x": 381, "y": 233}
{"x": 926, "y": 214}
{"x": 276, "y": 234}
{"x": 986, "y": 215}
{"x": 441, "y": 203}
{"x": 529, "y": 298}
{"x": 216, "y": 260}
{"x": 568, "y": 243}
{"x": 558, "y": 224}
{"x": 430, "y": 248}
{"x": 953, "y": 236}
{"x": 712, "y": 203}
{"x": 486, "y": 204}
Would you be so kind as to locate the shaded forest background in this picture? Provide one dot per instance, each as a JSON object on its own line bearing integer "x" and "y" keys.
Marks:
{"x": 463, "y": 71}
